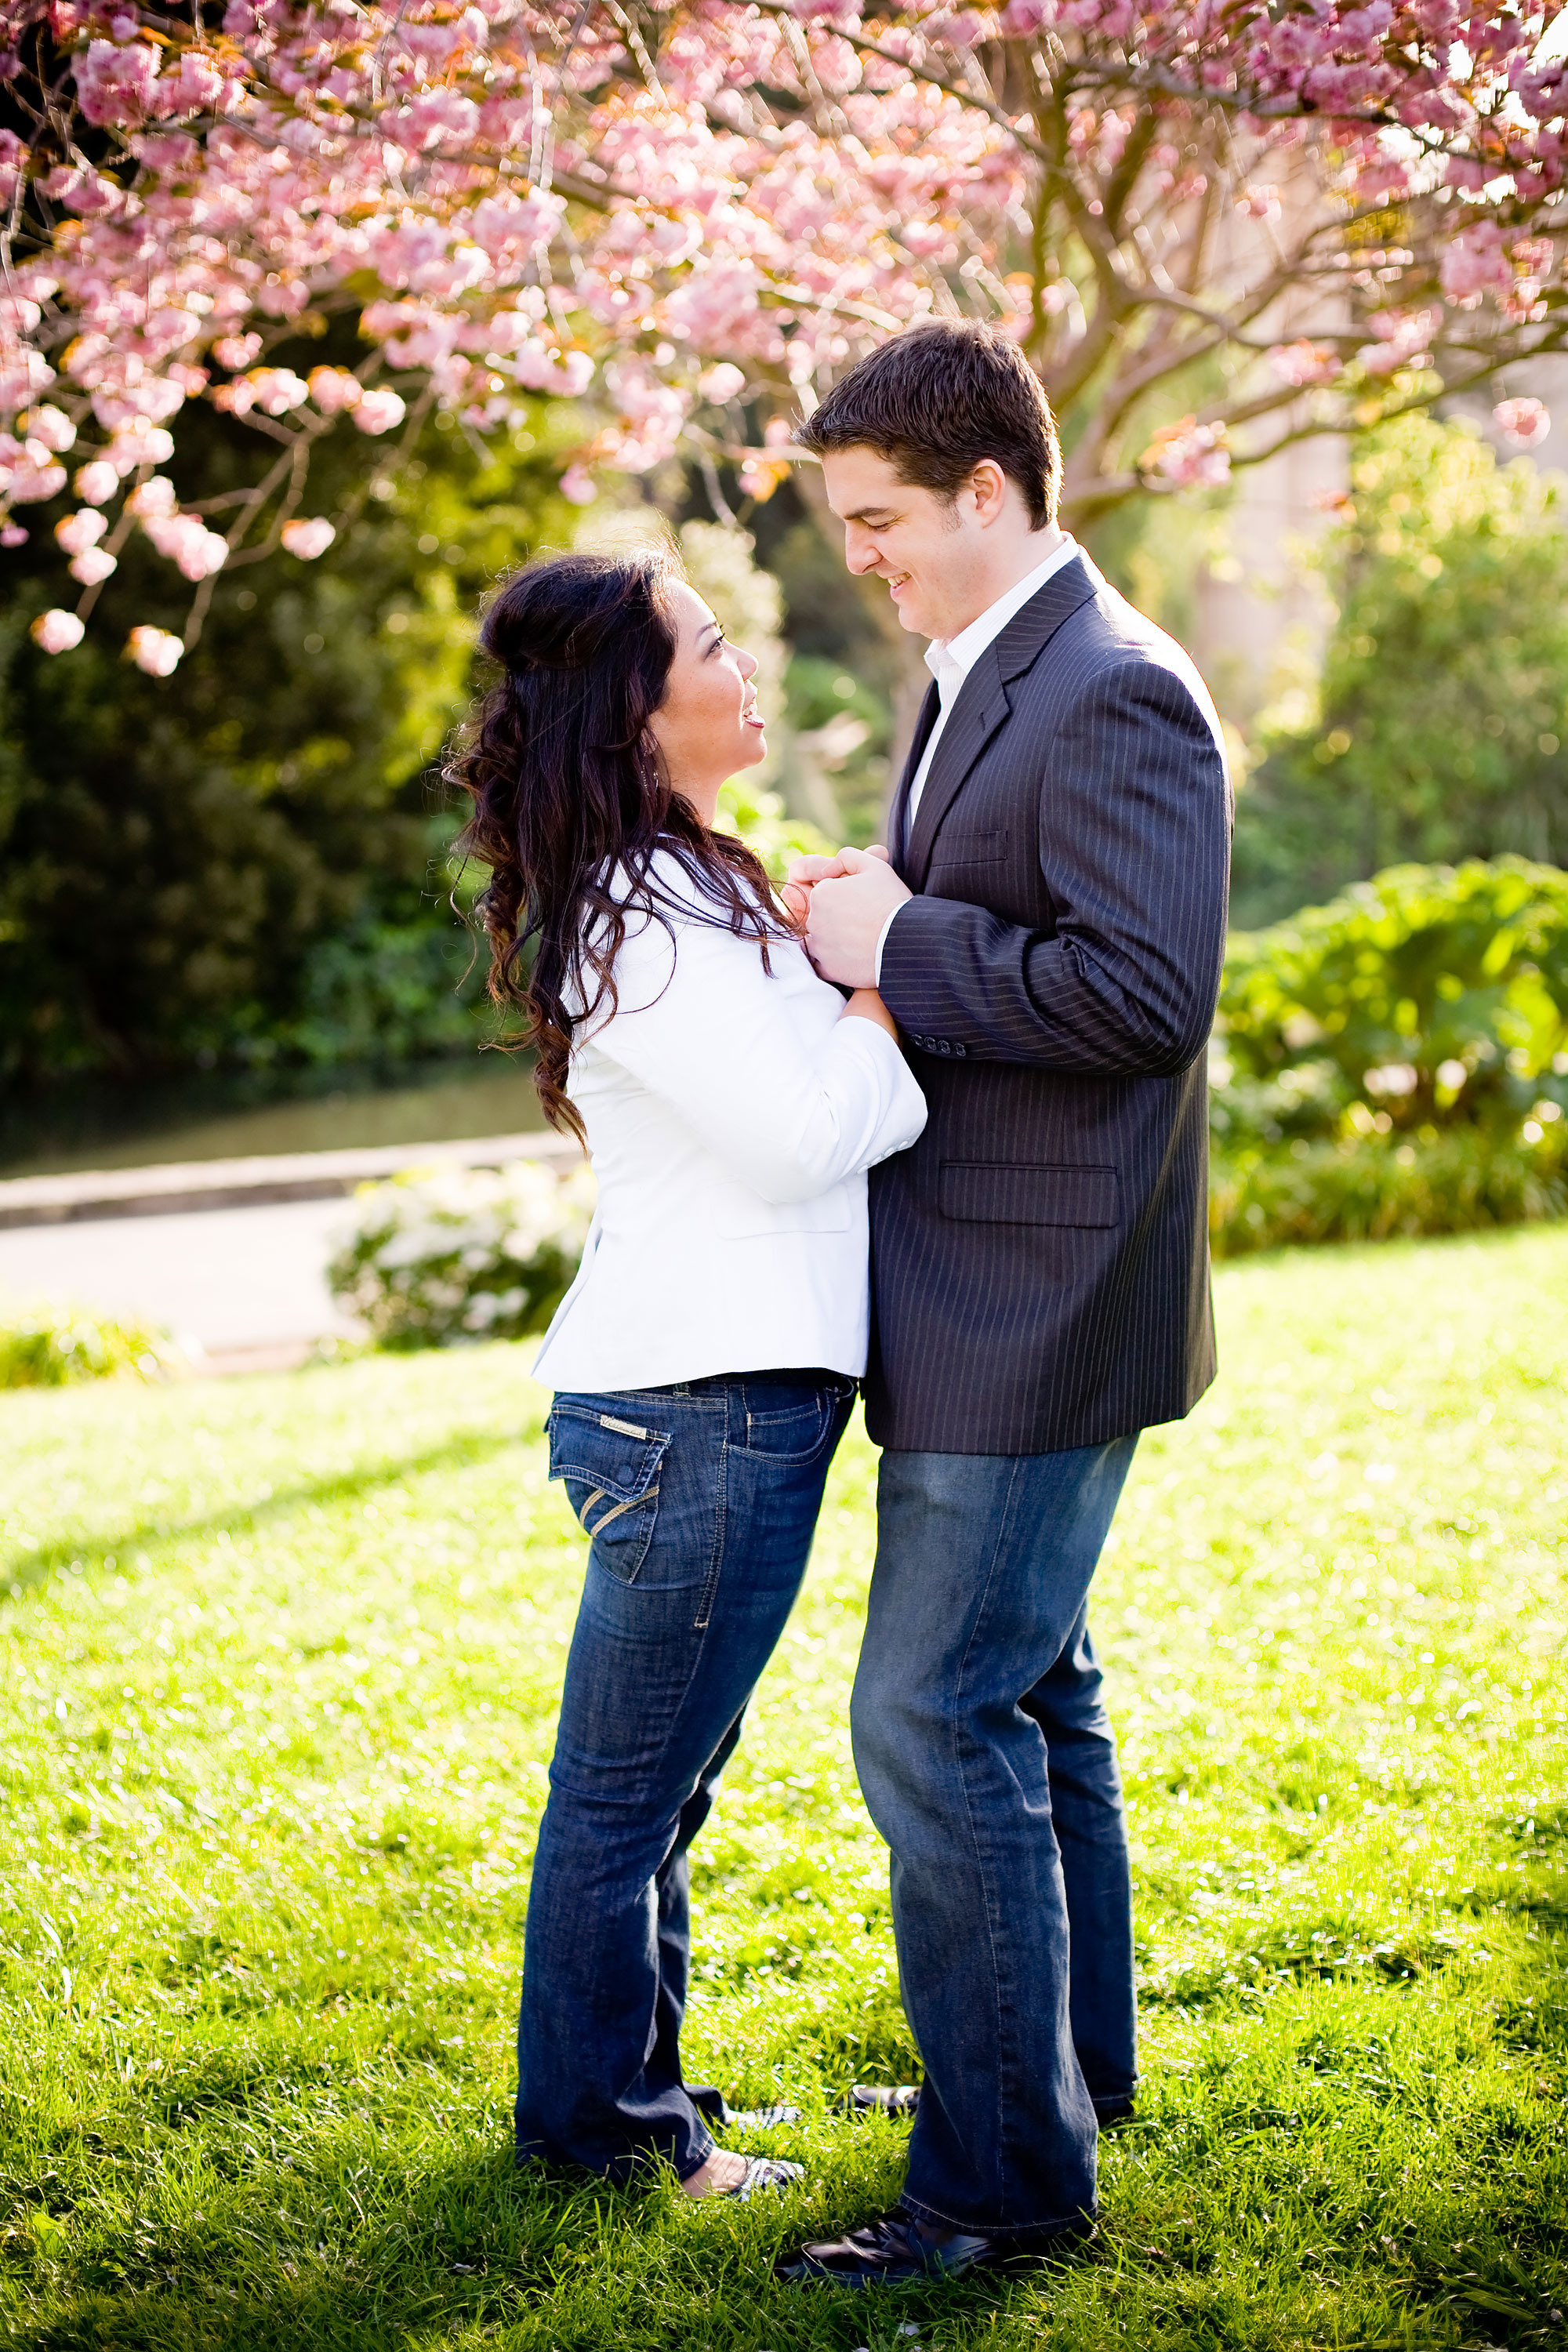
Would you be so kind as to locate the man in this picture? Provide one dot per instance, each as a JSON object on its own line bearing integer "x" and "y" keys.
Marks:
{"x": 1048, "y": 933}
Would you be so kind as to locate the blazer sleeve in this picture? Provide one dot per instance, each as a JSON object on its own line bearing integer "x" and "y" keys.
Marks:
{"x": 701, "y": 1025}
{"x": 1134, "y": 846}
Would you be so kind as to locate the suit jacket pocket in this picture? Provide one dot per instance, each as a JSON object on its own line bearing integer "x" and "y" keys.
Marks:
{"x": 969, "y": 848}
{"x": 996, "y": 1193}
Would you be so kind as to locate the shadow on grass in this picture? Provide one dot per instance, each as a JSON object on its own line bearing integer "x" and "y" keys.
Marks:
{"x": 475, "y": 2250}
{"x": 34, "y": 1568}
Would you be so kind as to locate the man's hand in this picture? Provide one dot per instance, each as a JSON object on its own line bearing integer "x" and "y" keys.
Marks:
{"x": 849, "y": 901}
{"x": 805, "y": 873}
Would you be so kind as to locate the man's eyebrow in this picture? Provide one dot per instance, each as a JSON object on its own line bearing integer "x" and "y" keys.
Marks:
{"x": 864, "y": 514}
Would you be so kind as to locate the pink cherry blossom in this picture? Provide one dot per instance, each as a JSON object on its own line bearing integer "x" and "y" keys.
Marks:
{"x": 333, "y": 389}
{"x": 32, "y": 476}
{"x": 97, "y": 482}
{"x": 718, "y": 202}
{"x": 1523, "y": 422}
{"x": 50, "y": 425}
{"x": 185, "y": 538}
{"x": 307, "y": 539}
{"x": 155, "y": 650}
{"x": 78, "y": 532}
{"x": 57, "y": 632}
{"x": 578, "y": 485}
{"x": 154, "y": 497}
{"x": 722, "y": 383}
{"x": 1304, "y": 362}
{"x": 138, "y": 444}
{"x": 1400, "y": 342}
{"x": 1189, "y": 453}
{"x": 92, "y": 566}
{"x": 13, "y": 535}
{"x": 114, "y": 85}
{"x": 379, "y": 410}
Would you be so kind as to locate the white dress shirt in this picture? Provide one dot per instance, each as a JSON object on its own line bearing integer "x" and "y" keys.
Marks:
{"x": 731, "y": 1116}
{"x": 949, "y": 661}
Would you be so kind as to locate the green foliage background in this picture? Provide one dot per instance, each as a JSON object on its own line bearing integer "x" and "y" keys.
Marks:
{"x": 246, "y": 863}
{"x": 1395, "y": 1062}
{"x": 1443, "y": 707}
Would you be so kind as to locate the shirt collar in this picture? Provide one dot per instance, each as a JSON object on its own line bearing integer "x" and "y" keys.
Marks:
{"x": 949, "y": 661}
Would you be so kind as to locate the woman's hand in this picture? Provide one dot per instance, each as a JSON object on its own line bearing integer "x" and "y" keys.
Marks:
{"x": 866, "y": 1004}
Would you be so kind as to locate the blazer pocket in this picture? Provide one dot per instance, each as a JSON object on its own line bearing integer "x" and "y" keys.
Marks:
{"x": 996, "y": 1193}
{"x": 968, "y": 848}
{"x": 748, "y": 1217}
{"x": 610, "y": 1469}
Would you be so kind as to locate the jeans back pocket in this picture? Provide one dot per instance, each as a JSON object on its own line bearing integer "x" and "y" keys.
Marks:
{"x": 610, "y": 1467}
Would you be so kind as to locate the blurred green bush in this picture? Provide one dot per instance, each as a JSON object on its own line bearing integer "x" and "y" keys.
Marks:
{"x": 52, "y": 1347}
{"x": 1395, "y": 1062}
{"x": 436, "y": 1261}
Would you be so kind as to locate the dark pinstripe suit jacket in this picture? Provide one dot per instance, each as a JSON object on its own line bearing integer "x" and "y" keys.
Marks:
{"x": 1040, "y": 1257}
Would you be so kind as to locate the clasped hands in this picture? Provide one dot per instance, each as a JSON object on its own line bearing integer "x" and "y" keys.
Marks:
{"x": 839, "y": 905}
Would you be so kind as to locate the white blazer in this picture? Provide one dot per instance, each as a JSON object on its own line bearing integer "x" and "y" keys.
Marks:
{"x": 731, "y": 1115}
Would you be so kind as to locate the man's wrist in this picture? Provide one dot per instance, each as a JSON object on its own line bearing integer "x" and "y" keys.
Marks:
{"x": 882, "y": 940}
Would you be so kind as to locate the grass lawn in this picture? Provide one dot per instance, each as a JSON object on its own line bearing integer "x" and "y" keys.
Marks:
{"x": 279, "y": 1666}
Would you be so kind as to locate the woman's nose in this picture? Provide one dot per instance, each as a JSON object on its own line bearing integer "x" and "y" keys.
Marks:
{"x": 746, "y": 663}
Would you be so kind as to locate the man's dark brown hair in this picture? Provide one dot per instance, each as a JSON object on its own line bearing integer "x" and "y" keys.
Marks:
{"x": 937, "y": 399}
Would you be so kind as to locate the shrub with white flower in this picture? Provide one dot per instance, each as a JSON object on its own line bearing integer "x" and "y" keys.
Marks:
{"x": 437, "y": 1260}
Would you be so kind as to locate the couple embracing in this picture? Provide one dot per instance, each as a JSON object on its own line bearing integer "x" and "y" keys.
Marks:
{"x": 932, "y": 1121}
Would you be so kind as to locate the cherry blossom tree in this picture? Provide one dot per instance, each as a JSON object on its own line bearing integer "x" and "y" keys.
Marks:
{"x": 1215, "y": 225}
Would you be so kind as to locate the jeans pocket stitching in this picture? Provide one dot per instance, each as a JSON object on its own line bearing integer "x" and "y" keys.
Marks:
{"x": 631, "y": 1503}
{"x": 825, "y": 1416}
{"x": 711, "y": 1587}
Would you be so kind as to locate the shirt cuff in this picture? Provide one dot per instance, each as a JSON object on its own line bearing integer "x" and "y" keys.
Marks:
{"x": 882, "y": 940}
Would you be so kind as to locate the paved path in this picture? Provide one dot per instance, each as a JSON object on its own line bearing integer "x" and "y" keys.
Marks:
{"x": 247, "y": 1284}
{"x": 229, "y": 1253}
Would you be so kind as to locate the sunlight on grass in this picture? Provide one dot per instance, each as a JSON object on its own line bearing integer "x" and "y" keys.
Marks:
{"x": 280, "y": 1666}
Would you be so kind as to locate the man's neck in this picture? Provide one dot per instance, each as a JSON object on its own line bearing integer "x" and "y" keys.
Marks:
{"x": 1015, "y": 563}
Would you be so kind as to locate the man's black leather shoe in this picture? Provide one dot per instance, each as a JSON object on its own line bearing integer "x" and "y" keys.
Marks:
{"x": 899, "y": 2250}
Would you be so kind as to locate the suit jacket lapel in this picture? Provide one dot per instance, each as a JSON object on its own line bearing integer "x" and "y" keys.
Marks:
{"x": 898, "y": 814}
{"x": 982, "y": 705}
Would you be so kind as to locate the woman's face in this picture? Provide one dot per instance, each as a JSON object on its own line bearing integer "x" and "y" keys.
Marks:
{"x": 708, "y": 726}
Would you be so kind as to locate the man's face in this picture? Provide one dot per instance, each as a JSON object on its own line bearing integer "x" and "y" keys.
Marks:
{"x": 927, "y": 549}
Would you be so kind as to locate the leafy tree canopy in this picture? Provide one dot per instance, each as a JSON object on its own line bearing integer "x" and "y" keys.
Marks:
{"x": 1440, "y": 726}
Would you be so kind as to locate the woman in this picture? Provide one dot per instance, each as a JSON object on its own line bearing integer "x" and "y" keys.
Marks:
{"x": 706, "y": 1357}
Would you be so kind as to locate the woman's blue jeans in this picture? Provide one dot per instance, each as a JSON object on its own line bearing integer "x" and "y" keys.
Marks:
{"x": 701, "y": 1502}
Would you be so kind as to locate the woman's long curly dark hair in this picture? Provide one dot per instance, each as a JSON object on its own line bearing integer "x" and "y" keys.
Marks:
{"x": 571, "y": 797}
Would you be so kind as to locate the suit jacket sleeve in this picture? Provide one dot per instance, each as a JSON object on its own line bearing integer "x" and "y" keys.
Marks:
{"x": 1134, "y": 848}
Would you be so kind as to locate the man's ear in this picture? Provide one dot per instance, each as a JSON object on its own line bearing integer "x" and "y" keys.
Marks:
{"x": 987, "y": 486}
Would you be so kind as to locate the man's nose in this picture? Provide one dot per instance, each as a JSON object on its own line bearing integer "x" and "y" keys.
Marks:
{"x": 860, "y": 553}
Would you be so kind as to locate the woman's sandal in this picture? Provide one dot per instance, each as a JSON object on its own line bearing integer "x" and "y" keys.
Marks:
{"x": 761, "y": 2173}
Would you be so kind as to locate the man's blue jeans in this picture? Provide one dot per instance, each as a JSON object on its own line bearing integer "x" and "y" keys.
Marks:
{"x": 989, "y": 1766}
{"x": 701, "y": 1502}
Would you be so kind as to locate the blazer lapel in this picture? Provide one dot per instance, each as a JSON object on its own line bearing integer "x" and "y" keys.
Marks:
{"x": 980, "y": 709}
{"x": 983, "y": 706}
{"x": 898, "y": 814}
